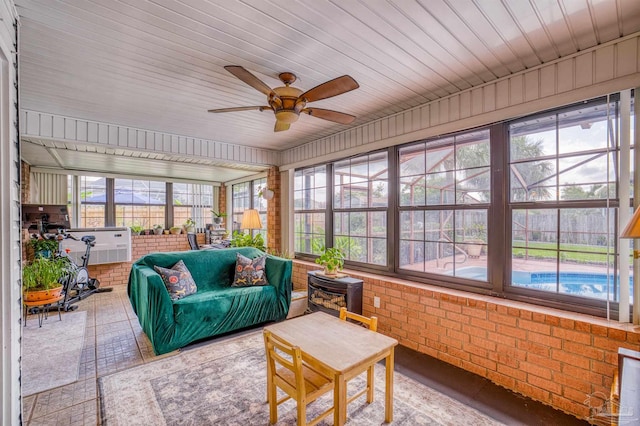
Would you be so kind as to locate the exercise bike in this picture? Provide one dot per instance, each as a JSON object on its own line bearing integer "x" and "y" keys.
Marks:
{"x": 77, "y": 283}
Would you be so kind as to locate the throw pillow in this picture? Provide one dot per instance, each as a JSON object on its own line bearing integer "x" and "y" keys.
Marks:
{"x": 249, "y": 271}
{"x": 178, "y": 280}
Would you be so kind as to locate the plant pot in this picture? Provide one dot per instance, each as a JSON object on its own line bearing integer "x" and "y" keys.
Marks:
{"x": 474, "y": 249}
{"x": 157, "y": 231}
{"x": 330, "y": 272}
{"x": 42, "y": 295}
{"x": 217, "y": 220}
{"x": 166, "y": 232}
{"x": 175, "y": 231}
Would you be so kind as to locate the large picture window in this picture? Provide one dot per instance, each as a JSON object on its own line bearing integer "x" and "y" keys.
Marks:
{"x": 93, "y": 201}
{"x": 563, "y": 198}
{"x": 444, "y": 200}
{"x": 361, "y": 193}
{"x": 310, "y": 203}
{"x": 248, "y": 195}
{"x": 139, "y": 202}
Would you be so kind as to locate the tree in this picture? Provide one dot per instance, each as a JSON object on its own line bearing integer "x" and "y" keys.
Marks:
{"x": 528, "y": 178}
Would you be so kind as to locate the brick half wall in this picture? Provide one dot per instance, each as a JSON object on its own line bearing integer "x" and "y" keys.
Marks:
{"x": 558, "y": 358}
{"x": 112, "y": 274}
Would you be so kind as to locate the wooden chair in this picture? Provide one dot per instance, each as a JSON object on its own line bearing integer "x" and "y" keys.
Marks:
{"x": 285, "y": 370}
{"x": 193, "y": 241}
{"x": 372, "y": 324}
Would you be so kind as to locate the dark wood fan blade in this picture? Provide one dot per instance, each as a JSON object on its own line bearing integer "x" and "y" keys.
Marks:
{"x": 327, "y": 114}
{"x": 281, "y": 126}
{"x": 247, "y": 108}
{"x": 334, "y": 87}
{"x": 249, "y": 78}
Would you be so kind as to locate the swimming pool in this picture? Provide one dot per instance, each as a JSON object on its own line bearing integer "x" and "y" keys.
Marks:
{"x": 588, "y": 284}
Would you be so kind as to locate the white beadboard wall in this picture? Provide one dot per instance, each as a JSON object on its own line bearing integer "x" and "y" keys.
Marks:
{"x": 77, "y": 131}
{"x": 605, "y": 69}
{"x": 10, "y": 226}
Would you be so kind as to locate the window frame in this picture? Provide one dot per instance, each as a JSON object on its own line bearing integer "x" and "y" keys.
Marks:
{"x": 499, "y": 210}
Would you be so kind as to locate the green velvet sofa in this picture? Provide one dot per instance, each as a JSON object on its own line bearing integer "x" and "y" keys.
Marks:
{"x": 217, "y": 307}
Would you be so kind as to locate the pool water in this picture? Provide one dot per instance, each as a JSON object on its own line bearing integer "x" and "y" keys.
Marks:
{"x": 588, "y": 284}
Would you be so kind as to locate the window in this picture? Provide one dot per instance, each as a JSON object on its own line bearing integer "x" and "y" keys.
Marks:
{"x": 193, "y": 201}
{"x": 444, "y": 193}
{"x": 260, "y": 204}
{"x": 139, "y": 202}
{"x": 310, "y": 203}
{"x": 563, "y": 199}
{"x": 247, "y": 195}
{"x": 93, "y": 201}
{"x": 240, "y": 201}
{"x": 361, "y": 193}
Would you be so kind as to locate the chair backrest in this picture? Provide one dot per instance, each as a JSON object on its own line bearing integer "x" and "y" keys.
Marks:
{"x": 193, "y": 241}
{"x": 284, "y": 355}
{"x": 372, "y": 322}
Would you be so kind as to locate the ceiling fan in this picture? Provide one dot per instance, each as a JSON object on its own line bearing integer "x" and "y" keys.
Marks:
{"x": 288, "y": 102}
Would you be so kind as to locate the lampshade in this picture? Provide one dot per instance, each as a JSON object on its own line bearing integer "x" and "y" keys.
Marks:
{"x": 632, "y": 230}
{"x": 250, "y": 220}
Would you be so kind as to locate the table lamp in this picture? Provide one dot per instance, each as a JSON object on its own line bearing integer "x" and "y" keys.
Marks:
{"x": 632, "y": 230}
{"x": 250, "y": 220}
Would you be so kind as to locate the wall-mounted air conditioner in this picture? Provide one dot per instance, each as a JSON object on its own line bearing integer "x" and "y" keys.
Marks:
{"x": 112, "y": 245}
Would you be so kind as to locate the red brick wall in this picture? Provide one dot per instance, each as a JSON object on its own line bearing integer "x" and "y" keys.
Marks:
{"x": 549, "y": 355}
{"x": 118, "y": 273}
{"x": 274, "y": 228}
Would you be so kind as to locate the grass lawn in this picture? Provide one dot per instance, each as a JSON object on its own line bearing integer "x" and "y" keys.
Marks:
{"x": 568, "y": 252}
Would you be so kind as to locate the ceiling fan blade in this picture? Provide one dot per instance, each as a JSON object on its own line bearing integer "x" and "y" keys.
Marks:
{"x": 334, "y": 87}
{"x": 249, "y": 78}
{"x": 281, "y": 126}
{"x": 328, "y": 114}
{"x": 247, "y": 108}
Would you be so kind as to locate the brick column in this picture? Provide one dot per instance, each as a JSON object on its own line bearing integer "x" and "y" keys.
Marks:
{"x": 274, "y": 218}
{"x": 25, "y": 182}
{"x": 222, "y": 199}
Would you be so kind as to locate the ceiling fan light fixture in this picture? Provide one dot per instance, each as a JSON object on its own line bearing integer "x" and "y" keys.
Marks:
{"x": 287, "y": 116}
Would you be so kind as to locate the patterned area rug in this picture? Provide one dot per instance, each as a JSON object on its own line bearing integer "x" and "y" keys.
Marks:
{"x": 224, "y": 383}
{"x": 51, "y": 353}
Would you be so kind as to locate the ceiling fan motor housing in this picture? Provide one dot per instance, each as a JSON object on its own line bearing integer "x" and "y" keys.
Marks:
{"x": 286, "y": 104}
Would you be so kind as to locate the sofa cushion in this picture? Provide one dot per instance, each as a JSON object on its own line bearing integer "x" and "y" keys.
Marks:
{"x": 178, "y": 280}
{"x": 249, "y": 272}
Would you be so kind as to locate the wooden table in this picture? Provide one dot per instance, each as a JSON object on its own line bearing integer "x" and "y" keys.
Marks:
{"x": 341, "y": 350}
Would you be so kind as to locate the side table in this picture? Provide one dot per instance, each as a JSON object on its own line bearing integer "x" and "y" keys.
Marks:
{"x": 41, "y": 308}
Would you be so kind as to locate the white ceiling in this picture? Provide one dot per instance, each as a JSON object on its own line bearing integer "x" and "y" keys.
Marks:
{"x": 158, "y": 64}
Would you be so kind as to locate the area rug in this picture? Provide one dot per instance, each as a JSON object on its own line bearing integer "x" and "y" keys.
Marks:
{"x": 224, "y": 383}
{"x": 51, "y": 353}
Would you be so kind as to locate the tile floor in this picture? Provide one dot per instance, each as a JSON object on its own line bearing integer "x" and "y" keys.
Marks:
{"x": 114, "y": 341}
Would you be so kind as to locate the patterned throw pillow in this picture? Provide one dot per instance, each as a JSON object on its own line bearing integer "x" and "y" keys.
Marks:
{"x": 178, "y": 280}
{"x": 249, "y": 271}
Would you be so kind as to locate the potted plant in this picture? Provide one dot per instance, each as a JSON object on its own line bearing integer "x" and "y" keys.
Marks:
{"x": 266, "y": 193}
{"x": 332, "y": 259}
{"x": 476, "y": 240}
{"x": 136, "y": 229}
{"x": 157, "y": 229}
{"x": 247, "y": 240}
{"x": 175, "y": 230}
{"x": 42, "y": 247}
{"x": 190, "y": 225}
{"x": 217, "y": 217}
{"x": 41, "y": 278}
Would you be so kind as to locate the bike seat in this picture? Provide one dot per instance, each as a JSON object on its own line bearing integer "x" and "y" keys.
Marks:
{"x": 88, "y": 239}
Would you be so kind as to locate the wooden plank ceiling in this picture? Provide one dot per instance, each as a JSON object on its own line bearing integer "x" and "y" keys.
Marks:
{"x": 158, "y": 64}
